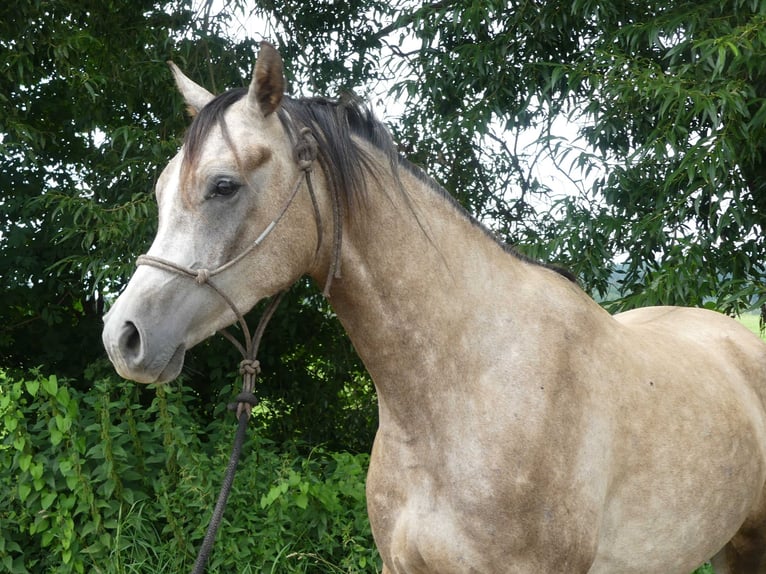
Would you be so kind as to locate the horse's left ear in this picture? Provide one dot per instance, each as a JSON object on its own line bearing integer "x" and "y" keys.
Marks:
{"x": 268, "y": 83}
{"x": 196, "y": 96}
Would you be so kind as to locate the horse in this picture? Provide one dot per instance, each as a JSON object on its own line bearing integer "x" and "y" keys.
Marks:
{"x": 522, "y": 428}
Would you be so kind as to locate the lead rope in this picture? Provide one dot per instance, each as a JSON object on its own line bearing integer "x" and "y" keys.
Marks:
{"x": 249, "y": 368}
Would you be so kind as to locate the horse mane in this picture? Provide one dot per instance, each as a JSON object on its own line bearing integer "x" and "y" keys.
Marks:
{"x": 337, "y": 125}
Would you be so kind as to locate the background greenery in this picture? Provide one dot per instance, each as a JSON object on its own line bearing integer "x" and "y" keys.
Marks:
{"x": 118, "y": 480}
{"x": 665, "y": 203}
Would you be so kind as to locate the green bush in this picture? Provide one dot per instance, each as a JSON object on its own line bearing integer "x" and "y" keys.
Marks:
{"x": 118, "y": 480}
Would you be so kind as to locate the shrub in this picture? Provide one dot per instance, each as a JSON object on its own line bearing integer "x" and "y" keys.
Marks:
{"x": 113, "y": 480}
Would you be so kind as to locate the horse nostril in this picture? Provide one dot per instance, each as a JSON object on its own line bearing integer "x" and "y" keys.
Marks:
{"x": 131, "y": 339}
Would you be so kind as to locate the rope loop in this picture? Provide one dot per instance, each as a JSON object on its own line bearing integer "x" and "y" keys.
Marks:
{"x": 249, "y": 367}
{"x": 247, "y": 397}
{"x": 245, "y": 401}
{"x": 305, "y": 149}
{"x": 242, "y": 400}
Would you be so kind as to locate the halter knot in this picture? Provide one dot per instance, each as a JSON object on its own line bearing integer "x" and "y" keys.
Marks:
{"x": 249, "y": 367}
{"x": 202, "y": 276}
{"x": 305, "y": 149}
{"x": 248, "y": 398}
{"x": 245, "y": 401}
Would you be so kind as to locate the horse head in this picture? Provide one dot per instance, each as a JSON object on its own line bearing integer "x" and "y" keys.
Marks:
{"x": 228, "y": 206}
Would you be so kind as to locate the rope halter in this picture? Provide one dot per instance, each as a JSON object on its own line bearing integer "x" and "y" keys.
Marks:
{"x": 305, "y": 154}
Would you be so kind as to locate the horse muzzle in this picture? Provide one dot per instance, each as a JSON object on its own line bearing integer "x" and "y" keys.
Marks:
{"x": 139, "y": 356}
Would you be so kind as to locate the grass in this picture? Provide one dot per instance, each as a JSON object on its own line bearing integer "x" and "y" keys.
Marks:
{"x": 750, "y": 320}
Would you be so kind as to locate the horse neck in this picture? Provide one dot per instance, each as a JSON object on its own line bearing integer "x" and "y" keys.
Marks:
{"x": 416, "y": 274}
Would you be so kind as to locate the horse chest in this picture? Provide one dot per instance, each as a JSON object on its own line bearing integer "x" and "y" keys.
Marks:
{"x": 421, "y": 531}
{"x": 471, "y": 515}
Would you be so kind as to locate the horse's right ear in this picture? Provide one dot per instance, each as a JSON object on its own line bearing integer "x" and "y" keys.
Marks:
{"x": 268, "y": 84}
{"x": 196, "y": 96}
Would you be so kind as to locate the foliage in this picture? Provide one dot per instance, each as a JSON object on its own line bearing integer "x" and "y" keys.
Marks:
{"x": 677, "y": 106}
{"x": 110, "y": 482}
{"x": 668, "y": 99}
{"x": 74, "y": 128}
{"x": 103, "y": 482}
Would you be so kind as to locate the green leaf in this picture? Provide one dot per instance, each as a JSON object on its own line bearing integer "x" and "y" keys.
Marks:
{"x": 36, "y": 470}
{"x": 32, "y": 386}
{"x": 10, "y": 422}
{"x": 63, "y": 397}
{"x": 302, "y": 500}
{"x": 65, "y": 467}
{"x": 19, "y": 442}
{"x": 24, "y": 461}
{"x": 51, "y": 385}
{"x": 24, "y": 491}
{"x": 47, "y": 500}
{"x": 56, "y": 437}
{"x": 63, "y": 423}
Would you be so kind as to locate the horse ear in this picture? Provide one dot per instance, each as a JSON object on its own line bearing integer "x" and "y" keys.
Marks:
{"x": 268, "y": 83}
{"x": 196, "y": 96}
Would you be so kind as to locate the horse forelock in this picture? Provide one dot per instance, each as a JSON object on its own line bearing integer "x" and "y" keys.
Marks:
{"x": 204, "y": 121}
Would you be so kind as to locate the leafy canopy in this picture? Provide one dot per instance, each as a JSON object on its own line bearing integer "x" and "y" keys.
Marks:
{"x": 666, "y": 202}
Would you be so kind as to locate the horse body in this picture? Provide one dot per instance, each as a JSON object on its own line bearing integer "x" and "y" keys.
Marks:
{"x": 522, "y": 428}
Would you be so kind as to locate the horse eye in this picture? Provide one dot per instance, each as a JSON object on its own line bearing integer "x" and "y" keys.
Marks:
{"x": 224, "y": 188}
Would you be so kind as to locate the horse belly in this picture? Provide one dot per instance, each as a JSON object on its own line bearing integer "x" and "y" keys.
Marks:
{"x": 675, "y": 528}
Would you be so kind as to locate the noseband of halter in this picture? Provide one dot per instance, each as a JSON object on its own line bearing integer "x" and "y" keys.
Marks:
{"x": 305, "y": 153}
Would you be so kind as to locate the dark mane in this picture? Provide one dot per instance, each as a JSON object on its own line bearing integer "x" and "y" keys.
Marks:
{"x": 336, "y": 124}
{"x": 347, "y": 165}
{"x": 205, "y": 120}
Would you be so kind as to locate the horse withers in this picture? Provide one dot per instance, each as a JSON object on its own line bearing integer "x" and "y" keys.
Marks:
{"x": 522, "y": 428}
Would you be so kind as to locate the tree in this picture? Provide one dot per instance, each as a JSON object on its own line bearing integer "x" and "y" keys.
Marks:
{"x": 668, "y": 99}
{"x": 90, "y": 115}
{"x": 78, "y": 113}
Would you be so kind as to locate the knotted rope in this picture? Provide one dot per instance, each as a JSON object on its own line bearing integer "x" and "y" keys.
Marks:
{"x": 249, "y": 368}
{"x": 305, "y": 153}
